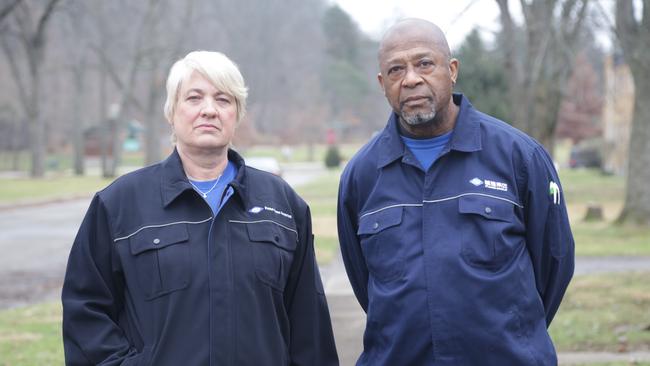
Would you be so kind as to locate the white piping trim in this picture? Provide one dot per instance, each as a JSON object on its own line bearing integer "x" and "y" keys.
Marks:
{"x": 258, "y": 221}
{"x": 474, "y": 194}
{"x": 392, "y": 206}
{"x": 161, "y": 225}
{"x": 440, "y": 200}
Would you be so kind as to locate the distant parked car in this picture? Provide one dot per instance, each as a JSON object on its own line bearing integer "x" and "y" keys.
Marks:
{"x": 586, "y": 154}
{"x": 268, "y": 164}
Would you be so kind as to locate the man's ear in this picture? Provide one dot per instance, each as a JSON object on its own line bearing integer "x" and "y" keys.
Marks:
{"x": 380, "y": 78}
{"x": 454, "y": 65}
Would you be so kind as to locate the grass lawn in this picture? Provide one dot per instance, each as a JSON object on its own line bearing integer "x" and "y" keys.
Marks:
{"x": 321, "y": 197}
{"x": 56, "y": 187}
{"x": 583, "y": 187}
{"x": 31, "y": 336}
{"x": 605, "y": 312}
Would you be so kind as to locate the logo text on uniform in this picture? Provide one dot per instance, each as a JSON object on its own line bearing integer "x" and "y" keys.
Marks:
{"x": 491, "y": 184}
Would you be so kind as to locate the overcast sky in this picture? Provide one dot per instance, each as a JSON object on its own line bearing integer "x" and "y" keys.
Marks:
{"x": 456, "y": 18}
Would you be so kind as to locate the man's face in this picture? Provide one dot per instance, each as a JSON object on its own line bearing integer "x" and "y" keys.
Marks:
{"x": 417, "y": 78}
{"x": 204, "y": 117}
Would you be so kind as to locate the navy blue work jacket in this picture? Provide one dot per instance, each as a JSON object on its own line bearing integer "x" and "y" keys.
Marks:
{"x": 464, "y": 264}
{"x": 154, "y": 279}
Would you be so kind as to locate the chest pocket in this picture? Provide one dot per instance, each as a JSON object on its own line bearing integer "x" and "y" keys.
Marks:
{"x": 273, "y": 246}
{"x": 382, "y": 242}
{"x": 488, "y": 238}
{"x": 161, "y": 259}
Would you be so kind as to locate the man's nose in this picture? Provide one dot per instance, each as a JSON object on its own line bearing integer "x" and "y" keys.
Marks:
{"x": 411, "y": 78}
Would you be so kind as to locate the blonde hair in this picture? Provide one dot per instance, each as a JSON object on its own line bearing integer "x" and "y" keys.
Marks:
{"x": 214, "y": 66}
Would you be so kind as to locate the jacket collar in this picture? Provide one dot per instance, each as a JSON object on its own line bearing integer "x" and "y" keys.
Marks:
{"x": 174, "y": 181}
{"x": 466, "y": 136}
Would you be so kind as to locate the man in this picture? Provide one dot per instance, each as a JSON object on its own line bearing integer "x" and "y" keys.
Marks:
{"x": 452, "y": 224}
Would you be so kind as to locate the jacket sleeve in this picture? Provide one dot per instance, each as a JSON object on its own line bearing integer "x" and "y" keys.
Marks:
{"x": 92, "y": 298}
{"x": 548, "y": 234}
{"x": 353, "y": 259}
{"x": 312, "y": 338}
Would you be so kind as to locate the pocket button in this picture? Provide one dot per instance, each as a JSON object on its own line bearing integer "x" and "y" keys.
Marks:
{"x": 375, "y": 225}
{"x": 156, "y": 241}
{"x": 488, "y": 210}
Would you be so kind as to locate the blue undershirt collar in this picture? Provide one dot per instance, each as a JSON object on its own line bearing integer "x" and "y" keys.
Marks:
{"x": 427, "y": 150}
{"x": 214, "y": 195}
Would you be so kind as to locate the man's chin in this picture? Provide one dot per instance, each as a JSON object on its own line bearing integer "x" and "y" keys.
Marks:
{"x": 419, "y": 119}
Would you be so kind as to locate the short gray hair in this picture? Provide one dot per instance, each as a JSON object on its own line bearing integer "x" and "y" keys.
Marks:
{"x": 214, "y": 66}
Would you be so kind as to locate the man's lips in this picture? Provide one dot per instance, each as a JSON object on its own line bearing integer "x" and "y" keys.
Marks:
{"x": 416, "y": 99}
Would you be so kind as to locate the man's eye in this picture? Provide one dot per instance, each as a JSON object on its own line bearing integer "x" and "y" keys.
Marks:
{"x": 193, "y": 97}
{"x": 394, "y": 69}
{"x": 426, "y": 63}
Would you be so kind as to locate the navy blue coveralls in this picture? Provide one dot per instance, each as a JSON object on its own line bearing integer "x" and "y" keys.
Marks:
{"x": 154, "y": 279}
{"x": 464, "y": 264}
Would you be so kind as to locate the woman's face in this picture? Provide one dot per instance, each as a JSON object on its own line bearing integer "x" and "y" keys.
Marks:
{"x": 204, "y": 118}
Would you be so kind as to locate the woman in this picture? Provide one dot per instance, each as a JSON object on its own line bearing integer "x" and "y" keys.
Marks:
{"x": 199, "y": 259}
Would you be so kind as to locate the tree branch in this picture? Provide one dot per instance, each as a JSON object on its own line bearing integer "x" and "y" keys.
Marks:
{"x": 7, "y": 9}
{"x": 626, "y": 26}
{"x": 45, "y": 17}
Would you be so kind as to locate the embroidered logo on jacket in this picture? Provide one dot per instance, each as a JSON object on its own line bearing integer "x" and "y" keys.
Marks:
{"x": 258, "y": 209}
{"x": 499, "y": 186}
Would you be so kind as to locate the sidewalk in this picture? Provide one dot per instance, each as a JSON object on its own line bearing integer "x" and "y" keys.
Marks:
{"x": 348, "y": 319}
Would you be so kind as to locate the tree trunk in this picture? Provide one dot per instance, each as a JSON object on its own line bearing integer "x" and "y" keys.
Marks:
{"x": 37, "y": 140}
{"x": 78, "y": 124}
{"x": 152, "y": 123}
{"x": 637, "y": 197}
{"x": 634, "y": 37}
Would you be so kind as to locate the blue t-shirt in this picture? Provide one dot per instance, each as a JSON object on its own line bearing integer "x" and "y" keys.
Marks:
{"x": 427, "y": 150}
{"x": 213, "y": 189}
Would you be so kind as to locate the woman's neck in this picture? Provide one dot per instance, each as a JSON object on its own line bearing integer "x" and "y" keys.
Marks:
{"x": 201, "y": 165}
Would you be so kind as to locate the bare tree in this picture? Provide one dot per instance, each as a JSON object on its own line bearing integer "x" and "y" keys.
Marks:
{"x": 539, "y": 64}
{"x": 26, "y": 29}
{"x": 122, "y": 50}
{"x": 634, "y": 37}
{"x": 6, "y": 9}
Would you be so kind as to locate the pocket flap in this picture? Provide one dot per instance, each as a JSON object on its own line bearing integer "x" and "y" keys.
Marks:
{"x": 489, "y": 208}
{"x": 159, "y": 237}
{"x": 378, "y": 221}
{"x": 272, "y": 232}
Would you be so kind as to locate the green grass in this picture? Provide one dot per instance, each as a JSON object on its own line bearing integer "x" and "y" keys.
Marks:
{"x": 589, "y": 185}
{"x": 31, "y": 336}
{"x": 321, "y": 197}
{"x": 607, "y": 312}
{"x": 607, "y": 239}
{"x": 583, "y": 187}
{"x": 30, "y": 190}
